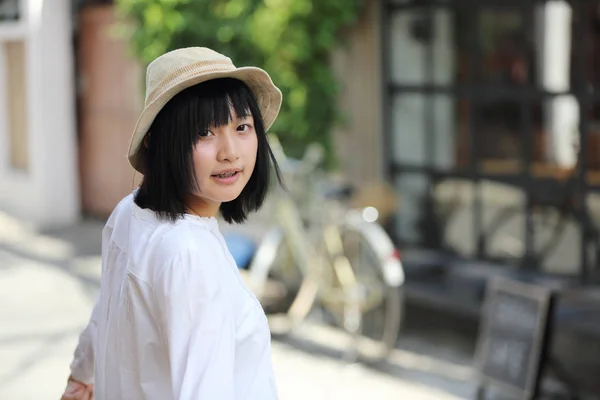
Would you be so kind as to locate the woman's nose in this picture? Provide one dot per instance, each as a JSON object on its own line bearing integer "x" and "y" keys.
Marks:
{"x": 228, "y": 146}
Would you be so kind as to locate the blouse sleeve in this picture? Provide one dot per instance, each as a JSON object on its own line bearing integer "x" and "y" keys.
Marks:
{"x": 82, "y": 366}
{"x": 198, "y": 323}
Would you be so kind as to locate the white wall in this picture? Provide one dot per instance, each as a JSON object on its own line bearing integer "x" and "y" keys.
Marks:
{"x": 47, "y": 195}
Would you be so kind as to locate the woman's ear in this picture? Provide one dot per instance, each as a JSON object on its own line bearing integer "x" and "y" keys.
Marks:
{"x": 146, "y": 140}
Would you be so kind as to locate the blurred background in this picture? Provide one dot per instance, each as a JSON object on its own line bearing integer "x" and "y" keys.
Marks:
{"x": 470, "y": 126}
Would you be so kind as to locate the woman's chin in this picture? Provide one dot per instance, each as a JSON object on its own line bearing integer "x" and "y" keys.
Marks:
{"x": 222, "y": 193}
{"x": 229, "y": 195}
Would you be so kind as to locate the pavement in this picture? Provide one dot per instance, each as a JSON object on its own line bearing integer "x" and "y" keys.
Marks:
{"x": 48, "y": 282}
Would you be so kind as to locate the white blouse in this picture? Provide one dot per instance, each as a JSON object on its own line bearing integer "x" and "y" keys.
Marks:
{"x": 173, "y": 319}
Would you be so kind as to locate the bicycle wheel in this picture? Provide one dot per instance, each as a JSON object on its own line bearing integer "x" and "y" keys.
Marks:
{"x": 278, "y": 282}
{"x": 377, "y": 266}
{"x": 505, "y": 234}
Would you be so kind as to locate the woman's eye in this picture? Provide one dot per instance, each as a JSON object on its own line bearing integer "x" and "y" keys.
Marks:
{"x": 206, "y": 133}
{"x": 244, "y": 127}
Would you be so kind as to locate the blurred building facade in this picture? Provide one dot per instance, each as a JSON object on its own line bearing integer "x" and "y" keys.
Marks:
{"x": 477, "y": 113}
{"x": 490, "y": 126}
{"x": 70, "y": 97}
{"x": 490, "y": 136}
{"x": 38, "y": 141}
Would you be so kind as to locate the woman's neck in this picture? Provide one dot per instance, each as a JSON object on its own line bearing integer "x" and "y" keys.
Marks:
{"x": 198, "y": 206}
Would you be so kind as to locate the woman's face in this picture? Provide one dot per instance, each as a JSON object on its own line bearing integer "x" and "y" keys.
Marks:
{"x": 224, "y": 160}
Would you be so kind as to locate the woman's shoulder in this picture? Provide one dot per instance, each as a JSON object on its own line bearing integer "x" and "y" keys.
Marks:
{"x": 123, "y": 208}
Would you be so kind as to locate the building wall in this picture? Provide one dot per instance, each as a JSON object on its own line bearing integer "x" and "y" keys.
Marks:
{"x": 110, "y": 101}
{"x": 38, "y": 174}
{"x": 357, "y": 64}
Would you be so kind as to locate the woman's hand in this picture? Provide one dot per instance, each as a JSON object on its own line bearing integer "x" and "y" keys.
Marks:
{"x": 78, "y": 391}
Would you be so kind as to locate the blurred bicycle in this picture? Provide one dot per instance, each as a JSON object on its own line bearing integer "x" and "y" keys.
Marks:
{"x": 323, "y": 252}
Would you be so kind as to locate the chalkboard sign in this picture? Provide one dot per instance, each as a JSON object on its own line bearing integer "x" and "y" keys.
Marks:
{"x": 513, "y": 336}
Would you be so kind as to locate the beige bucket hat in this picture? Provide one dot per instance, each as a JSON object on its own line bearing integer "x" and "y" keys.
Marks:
{"x": 180, "y": 69}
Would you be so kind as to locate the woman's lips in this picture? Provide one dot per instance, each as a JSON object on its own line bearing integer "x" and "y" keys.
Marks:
{"x": 226, "y": 178}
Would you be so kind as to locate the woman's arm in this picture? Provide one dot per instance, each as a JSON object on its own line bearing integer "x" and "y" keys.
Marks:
{"x": 82, "y": 366}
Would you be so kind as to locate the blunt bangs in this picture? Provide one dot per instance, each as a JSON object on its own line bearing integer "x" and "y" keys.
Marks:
{"x": 168, "y": 147}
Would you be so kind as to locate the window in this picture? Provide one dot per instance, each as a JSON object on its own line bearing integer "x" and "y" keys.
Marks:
{"x": 9, "y": 10}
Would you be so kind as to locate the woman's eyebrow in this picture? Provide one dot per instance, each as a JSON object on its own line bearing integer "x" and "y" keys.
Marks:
{"x": 242, "y": 117}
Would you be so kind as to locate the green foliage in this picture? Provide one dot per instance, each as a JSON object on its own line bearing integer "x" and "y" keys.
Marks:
{"x": 291, "y": 39}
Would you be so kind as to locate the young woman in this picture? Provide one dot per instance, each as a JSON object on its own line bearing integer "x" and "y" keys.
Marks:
{"x": 173, "y": 319}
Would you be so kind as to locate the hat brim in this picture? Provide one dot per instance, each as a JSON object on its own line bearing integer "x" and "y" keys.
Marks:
{"x": 268, "y": 96}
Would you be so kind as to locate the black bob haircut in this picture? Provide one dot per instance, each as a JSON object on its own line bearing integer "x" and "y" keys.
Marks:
{"x": 167, "y": 151}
